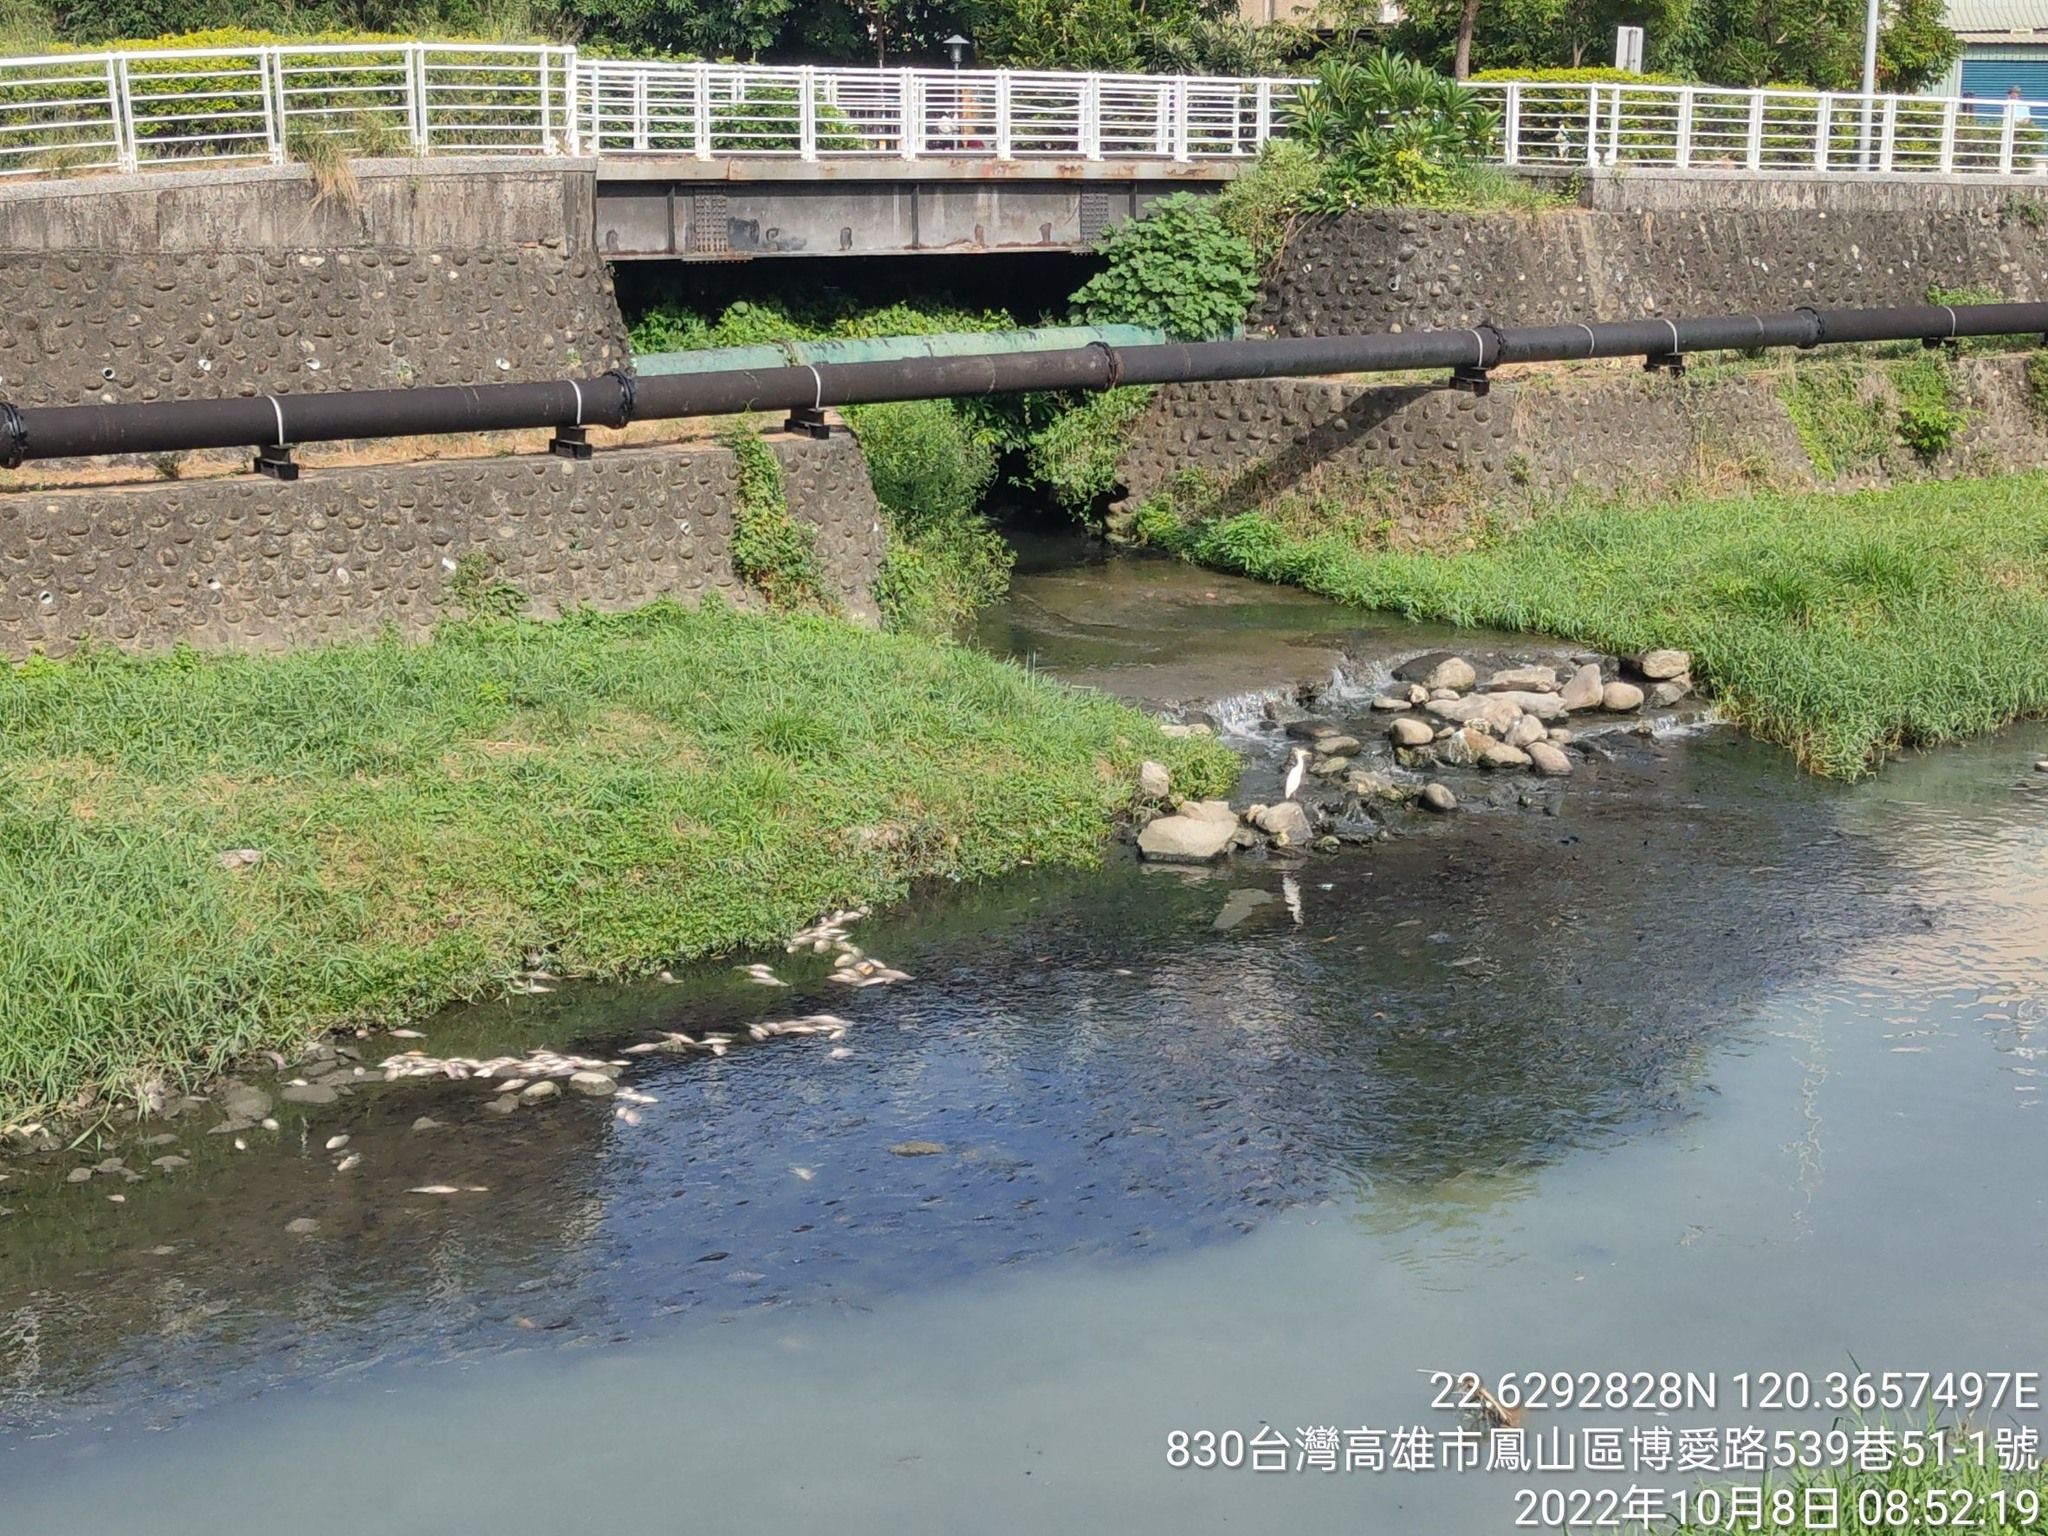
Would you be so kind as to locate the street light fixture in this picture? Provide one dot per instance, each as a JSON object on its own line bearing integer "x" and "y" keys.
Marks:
{"x": 957, "y": 48}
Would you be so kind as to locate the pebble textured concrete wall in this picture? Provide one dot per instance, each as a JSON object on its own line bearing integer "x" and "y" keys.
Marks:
{"x": 1410, "y": 269}
{"x": 95, "y": 326}
{"x": 1603, "y": 429}
{"x": 235, "y": 281}
{"x": 249, "y": 563}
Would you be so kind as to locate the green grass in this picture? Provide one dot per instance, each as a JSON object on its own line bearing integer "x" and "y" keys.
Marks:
{"x": 622, "y": 791}
{"x": 1844, "y": 626}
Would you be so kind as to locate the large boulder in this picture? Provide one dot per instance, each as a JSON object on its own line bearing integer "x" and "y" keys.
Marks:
{"x": 1667, "y": 693}
{"x": 1411, "y": 732}
{"x": 1536, "y": 679}
{"x": 1186, "y": 839}
{"x": 1209, "y": 810}
{"x": 1286, "y": 823}
{"x": 1497, "y": 711}
{"x": 1548, "y": 759}
{"x": 1452, "y": 672}
{"x": 1621, "y": 697}
{"x": 1583, "y": 691}
{"x": 1658, "y": 665}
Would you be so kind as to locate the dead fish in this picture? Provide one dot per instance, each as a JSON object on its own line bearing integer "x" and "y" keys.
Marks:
{"x": 626, "y": 1116}
{"x": 354, "y": 1159}
{"x": 270, "y": 1125}
{"x": 839, "y": 1054}
{"x": 761, "y": 975}
{"x": 803, "y": 1173}
{"x": 1490, "y": 1409}
{"x": 336, "y": 1143}
{"x": 434, "y": 1189}
{"x": 406, "y": 1034}
{"x": 642, "y": 1050}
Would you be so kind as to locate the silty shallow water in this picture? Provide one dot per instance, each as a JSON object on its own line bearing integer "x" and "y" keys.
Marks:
{"x": 1716, "y": 1068}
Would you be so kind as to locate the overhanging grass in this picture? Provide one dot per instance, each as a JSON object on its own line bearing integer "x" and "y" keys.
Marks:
{"x": 624, "y": 791}
{"x": 1844, "y": 626}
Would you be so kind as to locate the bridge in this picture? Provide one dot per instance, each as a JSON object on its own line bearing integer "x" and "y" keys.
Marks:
{"x": 716, "y": 162}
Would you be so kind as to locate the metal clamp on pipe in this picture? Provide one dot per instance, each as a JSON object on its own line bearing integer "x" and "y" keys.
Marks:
{"x": 629, "y": 394}
{"x": 13, "y": 436}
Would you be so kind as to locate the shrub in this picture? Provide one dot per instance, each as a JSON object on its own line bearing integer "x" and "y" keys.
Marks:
{"x": 1590, "y": 74}
{"x": 1075, "y": 455}
{"x": 771, "y": 551}
{"x": 1389, "y": 130}
{"x": 1262, "y": 206}
{"x": 1179, "y": 267}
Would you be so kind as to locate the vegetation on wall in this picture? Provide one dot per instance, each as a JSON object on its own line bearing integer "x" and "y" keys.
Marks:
{"x": 1859, "y": 416}
{"x": 1180, "y": 268}
{"x": 772, "y": 551}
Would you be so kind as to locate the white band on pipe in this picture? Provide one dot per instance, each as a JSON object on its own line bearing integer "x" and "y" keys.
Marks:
{"x": 579, "y": 401}
{"x": 280, "y": 418}
{"x": 818, "y": 388}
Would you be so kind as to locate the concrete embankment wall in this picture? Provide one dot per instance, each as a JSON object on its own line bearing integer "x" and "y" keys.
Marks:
{"x": 236, "y": 282}
{"x": 1422, "y": 454}
{"x": 250, "y": 563}
{"x": 1408, "y": 269}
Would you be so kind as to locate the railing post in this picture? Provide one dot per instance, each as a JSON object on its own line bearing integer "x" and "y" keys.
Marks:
{"x": 1682, "y": 155}
{"x": 2007, "y": 130}
{"x": 1948, "y": 136}
{"x": 700, "y": 114}
{"x": 1091, "y": 118}
{"x": 572, "y": 73}
{"x": 1754, "y": 150}
{"x": 269, "y": 79}
{"x": 1592, "y": 125}
{"x": 419, "y": 117}
{"x": 807, "y": 112}
{"x": 1614, "y": 104}
{"x": 1823, "y": 121}
{"x": 1262, "y": 118}
{"x": 1162, "y": 119}
{"x": 121, "y": 112}
{"x": 1888, "y": 136}
{"x": 1180, "y": 117}
{"x": 1511, "y": 125}
{"x": 639, "y": 111}
{"x": 913, "y": 114}
{"x": 1003, "y": 114}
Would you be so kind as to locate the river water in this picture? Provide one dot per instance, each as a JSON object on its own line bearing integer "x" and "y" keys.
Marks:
{"x": 1700, "y": 1066}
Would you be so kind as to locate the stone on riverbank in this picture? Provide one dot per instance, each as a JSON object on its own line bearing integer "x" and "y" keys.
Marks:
{"x": 1154, "y": 783}
{"x": 302, "y": 1226}
{"x": 1286, "y": 823}
{"x": 1410, "y": 732}
{"x": 241, "y": 1101}
{"x": 1667, "y": 693}
{"x": 1186, "y": 839}
{"x": 1523, "y": 680}
{"x": 1453, "y": 672}
{"x": 592, "y": 1085}
{"x": 1388, "y": 702}
{"x": 1525, "y": 730}
{"x": 1498, "y": 711}
{"x": 1583, "y": 690}
{"x": 1660, "y": 665}
{"x": 1551, "y": 761}
{"x": 1437, "y": 798}
{"x": 1621, "y": 697}
{"x": 1209, "y": 810}
{"x": 308, "y": 1093}
{"x": 1499, "y": 754}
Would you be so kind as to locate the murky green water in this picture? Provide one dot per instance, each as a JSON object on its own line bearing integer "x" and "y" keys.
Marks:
{"x": 1714, "y": 1068}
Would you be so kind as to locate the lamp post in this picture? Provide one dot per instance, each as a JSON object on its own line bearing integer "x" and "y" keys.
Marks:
{"x": 957, "y": 48}
{"x": 1869, "y": 74}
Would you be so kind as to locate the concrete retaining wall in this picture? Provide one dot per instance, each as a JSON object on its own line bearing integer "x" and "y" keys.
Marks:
{"x": 249, "y": 563}
{"x": 1421, "y": 454}
{"x": 187, "y": 287}
{"x": 1410, "y": 269}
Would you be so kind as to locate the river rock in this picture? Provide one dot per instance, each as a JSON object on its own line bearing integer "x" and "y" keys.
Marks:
{"x": 241, "y": 1101}
{"x": 1527, "y": 728}
{"x": 1337, "y": 746}
{"x": 1181, "y": 732}
{"x": 1438, "y": 798}
{"x": 308, "y": 1093}
{"x": 1209, "y": 810}
{"x": 1659, "y": 665}
{"x": 1523, "y": 680}
{"x": 1311, "y": 728}
{"x": 78, "y": 1176}
{"x": 1583, "y": 689}
{"x": 1411, "y": 732}
{"x": 302, "y": 1226}
{"x": 171, "y": 1163}
{"x": 535, "y": 1093}
{"x": 1388, "y": 702}
{"x": 1374, "y": 786}
{"x": 1621, "y": 697}
{"x": 1330, "y": 767}
{"x": 1154, "y": 783}
{"x": 2041, "y": 766}
{"x": 1549, "y": 760}
{"x": 1453, "y": 672}
{"x": 1186, "y": 839}
{"x": 1461, "y": 748}
{"x": 1287, "y": 824}
{"x": 1667, "y": 693}
{"x": 916, "y": 1149}
{"x": 503, "y": 1104}
{"x": 1499, "y": 754}
{"x": 592, "y": 1085}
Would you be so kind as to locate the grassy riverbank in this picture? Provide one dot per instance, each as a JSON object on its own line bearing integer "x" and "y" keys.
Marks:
{"x": 621, "y": 792}
{"x": 1844, "y": 626}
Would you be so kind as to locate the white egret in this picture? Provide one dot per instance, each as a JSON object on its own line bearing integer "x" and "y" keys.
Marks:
{"x": 1301, "y": 756}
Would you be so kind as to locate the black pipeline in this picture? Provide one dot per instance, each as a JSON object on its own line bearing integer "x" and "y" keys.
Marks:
{"x": 613, "y": 399}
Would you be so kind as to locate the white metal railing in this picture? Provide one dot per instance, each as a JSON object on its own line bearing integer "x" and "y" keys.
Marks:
{"x": 155, "y": 107}
{"x": 1704, "y": 127}
{"x": 151, "y": 107}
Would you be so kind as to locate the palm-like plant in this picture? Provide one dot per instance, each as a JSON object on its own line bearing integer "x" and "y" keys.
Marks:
{"x": 1389, "y": 129}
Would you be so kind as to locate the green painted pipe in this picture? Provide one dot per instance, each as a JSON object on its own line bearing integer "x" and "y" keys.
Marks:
{"x": 885, "y": 349}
